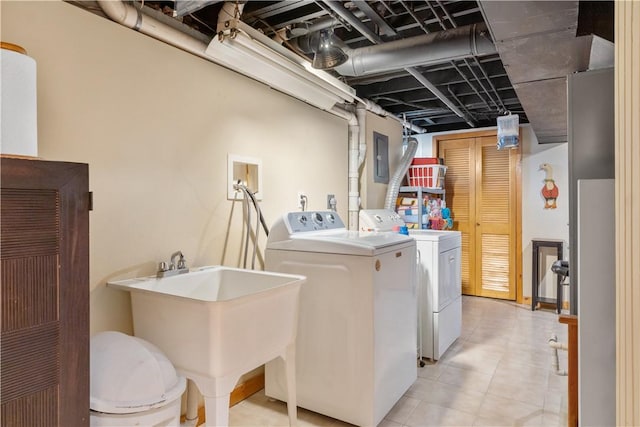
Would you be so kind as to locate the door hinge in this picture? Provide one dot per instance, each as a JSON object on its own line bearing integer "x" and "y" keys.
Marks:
{"x": 90, "y": 200}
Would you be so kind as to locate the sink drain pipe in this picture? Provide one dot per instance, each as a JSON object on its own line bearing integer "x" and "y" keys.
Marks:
{"x": 357, "y": 149}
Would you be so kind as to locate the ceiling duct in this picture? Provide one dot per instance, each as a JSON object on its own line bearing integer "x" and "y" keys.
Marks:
{"x": 428, "y": 49}
{"x": 538, "y": 46}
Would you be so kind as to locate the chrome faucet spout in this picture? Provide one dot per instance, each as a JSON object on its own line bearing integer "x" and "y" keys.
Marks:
{"x": 173, "y": 259}
{"x": 174, "y": 267}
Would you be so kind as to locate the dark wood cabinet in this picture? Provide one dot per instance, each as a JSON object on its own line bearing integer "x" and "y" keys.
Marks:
{"x": 44, "y": 261}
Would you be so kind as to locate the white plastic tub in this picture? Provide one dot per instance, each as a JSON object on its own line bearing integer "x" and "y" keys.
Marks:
{"x": 132, "y": 383}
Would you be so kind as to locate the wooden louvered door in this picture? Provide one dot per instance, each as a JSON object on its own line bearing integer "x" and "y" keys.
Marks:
{"x": 481, "y": 192}
{"x": 44, "y": 293}
{"x": 495, "y": 220}
{"x": 460, "y": 179}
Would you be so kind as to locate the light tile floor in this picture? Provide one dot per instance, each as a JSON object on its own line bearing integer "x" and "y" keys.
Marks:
{"x": 498, "y": 373}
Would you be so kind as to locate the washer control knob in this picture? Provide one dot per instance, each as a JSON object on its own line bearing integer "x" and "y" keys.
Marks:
{"x": 317, "y": 218}
{"x": 331, "y": 218}
{"x": 303, "y": 220}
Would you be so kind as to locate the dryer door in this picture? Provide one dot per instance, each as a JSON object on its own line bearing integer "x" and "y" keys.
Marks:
{"x": 449, "y": 285}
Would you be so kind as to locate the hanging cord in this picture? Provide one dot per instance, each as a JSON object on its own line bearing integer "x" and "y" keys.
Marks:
{"x": 255, "y": 204}
{"x": 245, "y": 203}
{"x": 249, "y": 196}
{"x": 255, "y": 240}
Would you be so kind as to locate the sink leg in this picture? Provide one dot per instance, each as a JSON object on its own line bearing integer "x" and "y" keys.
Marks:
{"x": 290, "y": 372}
{"x": 192, "y": 400}
{"x": 216, "y": 410}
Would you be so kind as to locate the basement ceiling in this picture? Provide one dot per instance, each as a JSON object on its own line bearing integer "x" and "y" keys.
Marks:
{"x": 449, "y": 89}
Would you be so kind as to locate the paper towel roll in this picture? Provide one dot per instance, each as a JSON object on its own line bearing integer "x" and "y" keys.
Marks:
{"x": 19, "y": 126}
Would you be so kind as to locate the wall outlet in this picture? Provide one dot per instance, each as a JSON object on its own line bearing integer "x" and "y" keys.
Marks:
{"x": 331, "y": 201}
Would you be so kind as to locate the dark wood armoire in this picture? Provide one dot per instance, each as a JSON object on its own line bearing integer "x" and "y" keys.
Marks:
{"x": 44, "y": 253}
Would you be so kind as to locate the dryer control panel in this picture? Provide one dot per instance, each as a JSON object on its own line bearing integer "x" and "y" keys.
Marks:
{"x": 298, "y": 222}
{"x": 379, "y": 220}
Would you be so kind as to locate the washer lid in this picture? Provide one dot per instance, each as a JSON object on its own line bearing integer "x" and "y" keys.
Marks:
{"x": 343, "y": 242}
{"x": 130, "y": 375}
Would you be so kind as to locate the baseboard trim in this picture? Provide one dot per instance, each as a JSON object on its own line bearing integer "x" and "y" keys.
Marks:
{"x": 527, "y": 301}
{"x": 246, "y": 389}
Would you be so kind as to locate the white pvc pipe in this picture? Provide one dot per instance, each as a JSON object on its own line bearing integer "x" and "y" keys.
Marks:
{"x": 135, "y": 19}
{"x": 228, "y": 12}
{"x": 357, "y": 145}
{"x": 376, "y": 109}
{"x": 361, "y": 114}
{"x": 131, "y": 17}
{"x": 555, "y": 346}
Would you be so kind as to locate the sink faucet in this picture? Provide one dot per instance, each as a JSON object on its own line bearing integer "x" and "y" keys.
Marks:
{"x": 181, "y": 261}
{"x": 173, "y": 268}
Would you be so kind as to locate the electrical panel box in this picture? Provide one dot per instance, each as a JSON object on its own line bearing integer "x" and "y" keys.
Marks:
{"x": 380, "y": 158}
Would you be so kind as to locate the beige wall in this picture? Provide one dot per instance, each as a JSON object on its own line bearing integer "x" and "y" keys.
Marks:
{"x": 155, "y": 125}
{"x": 373, "y": 194}
{"x": 540, "y": 223}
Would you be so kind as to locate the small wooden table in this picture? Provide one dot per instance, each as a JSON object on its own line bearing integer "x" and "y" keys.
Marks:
{"x": 536, "y": 245}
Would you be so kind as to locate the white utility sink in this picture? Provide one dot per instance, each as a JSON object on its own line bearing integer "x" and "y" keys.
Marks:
{"x": 217, "y": 323}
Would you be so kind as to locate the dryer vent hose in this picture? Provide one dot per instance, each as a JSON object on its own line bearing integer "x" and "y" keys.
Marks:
{"x": 401, "y": 171}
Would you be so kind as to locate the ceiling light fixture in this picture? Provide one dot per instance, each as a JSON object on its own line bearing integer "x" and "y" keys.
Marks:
{"x": 328, "y": 55}
{"x": 251, "y": 53}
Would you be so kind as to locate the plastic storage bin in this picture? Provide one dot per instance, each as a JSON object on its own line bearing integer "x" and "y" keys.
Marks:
{"x": 426, "y": 172}
{"x": 132, "y": 383}
{"x": 508, "y": 131}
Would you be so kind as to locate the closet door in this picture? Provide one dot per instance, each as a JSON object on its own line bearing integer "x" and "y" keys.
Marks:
{"x": 460, "y": 182}
{"x": 481, "y": 191}
{"x": 44, "y": 293}
{"x": 495, "y": 220}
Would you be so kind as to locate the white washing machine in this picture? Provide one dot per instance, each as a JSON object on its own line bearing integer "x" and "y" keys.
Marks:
{"x": 356, "y": 343}
{"x": 439, "y": 280}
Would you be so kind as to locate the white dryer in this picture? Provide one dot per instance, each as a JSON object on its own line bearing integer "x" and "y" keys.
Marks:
{"x": 439, "y": 280}
{"x": 356, "y": 342}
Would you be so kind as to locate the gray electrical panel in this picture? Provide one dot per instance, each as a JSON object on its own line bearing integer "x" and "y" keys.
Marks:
{"x": 380, "y": 158}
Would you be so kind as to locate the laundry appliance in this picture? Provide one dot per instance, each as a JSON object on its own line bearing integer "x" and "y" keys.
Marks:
{"x": 356, "y": 343}
{"x": 439, "y": 280}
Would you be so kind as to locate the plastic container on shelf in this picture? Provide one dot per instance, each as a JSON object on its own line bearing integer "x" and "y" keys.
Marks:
{"x": 132, "y": 383}
{"x": 426, "y": 175}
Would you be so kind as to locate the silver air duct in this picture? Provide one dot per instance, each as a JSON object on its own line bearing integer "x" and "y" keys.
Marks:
{"x": 394, "y": 184}
{"x": 434, "y": 48}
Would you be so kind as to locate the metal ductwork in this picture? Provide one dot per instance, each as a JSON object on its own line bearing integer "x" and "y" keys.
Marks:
{"x": 538, "y": 46}
{"x": 434, "y": 48}
{"x": 429, "y": 49}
